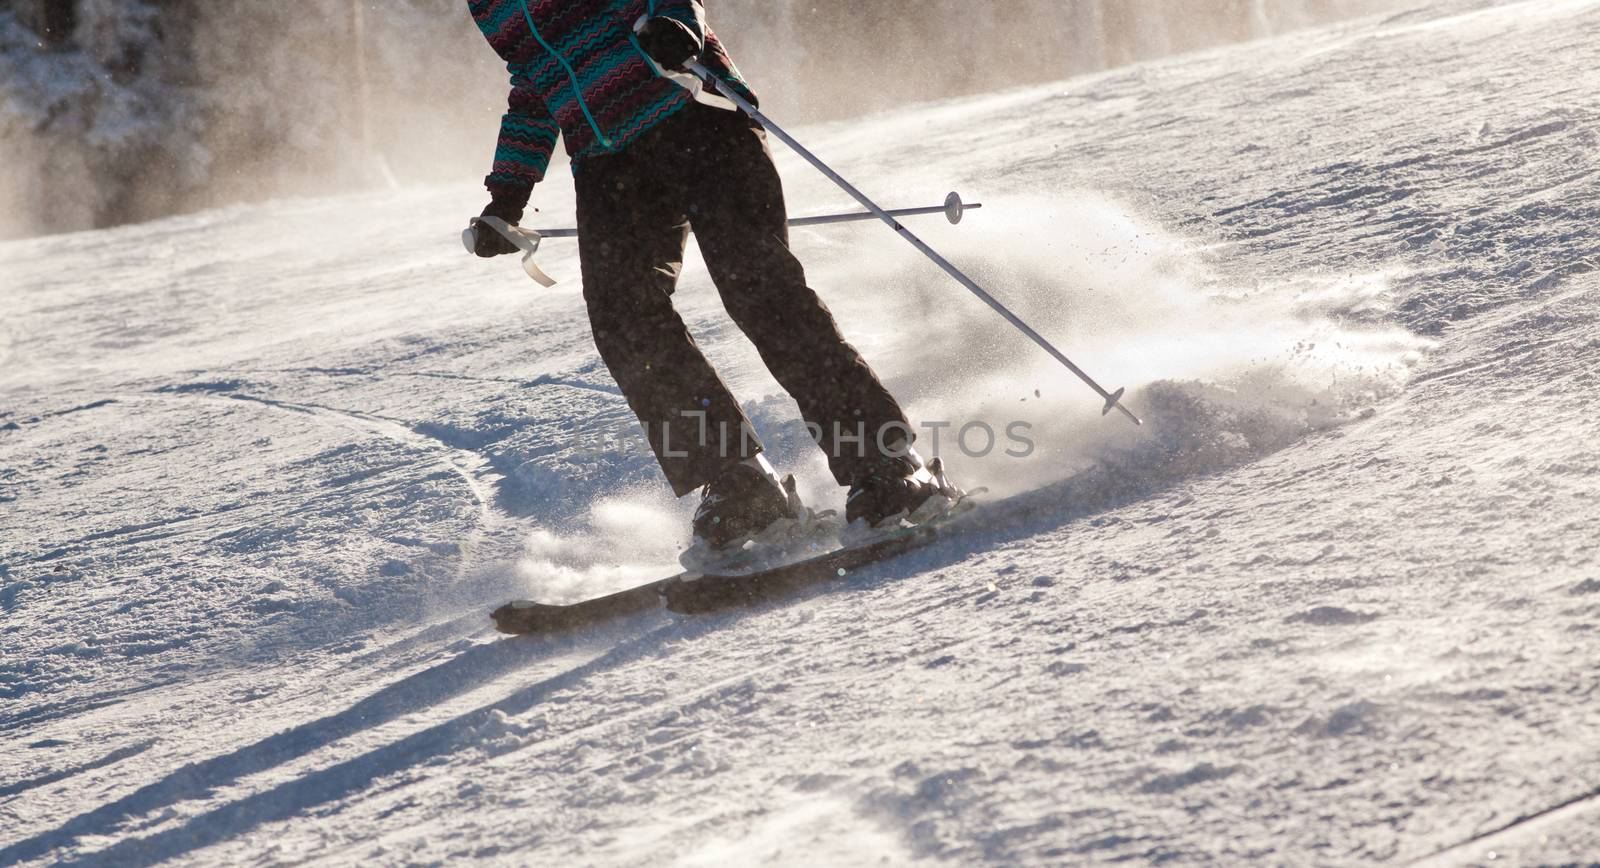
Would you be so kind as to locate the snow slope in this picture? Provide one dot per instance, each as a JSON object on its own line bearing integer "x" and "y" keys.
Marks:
{"x": 264, "y": 470}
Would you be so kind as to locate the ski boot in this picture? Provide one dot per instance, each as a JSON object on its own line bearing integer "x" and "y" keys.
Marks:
{"x": 902, "y": 489}
{"x": 744, "y": 515}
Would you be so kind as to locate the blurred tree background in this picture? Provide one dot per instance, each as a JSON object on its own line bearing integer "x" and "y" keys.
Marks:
{"x": 121, "y": 110}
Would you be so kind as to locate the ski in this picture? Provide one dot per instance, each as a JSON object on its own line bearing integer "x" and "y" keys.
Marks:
{"x": 696, "y": 594}
{"x": 522, "y": 618}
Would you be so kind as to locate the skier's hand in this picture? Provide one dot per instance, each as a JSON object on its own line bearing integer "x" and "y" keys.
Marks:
{"x": 490, "y": 242}
{"x": 669, "y": 42}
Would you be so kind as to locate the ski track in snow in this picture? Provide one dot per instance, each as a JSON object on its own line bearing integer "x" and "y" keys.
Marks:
{"x": 1339, "y": 603}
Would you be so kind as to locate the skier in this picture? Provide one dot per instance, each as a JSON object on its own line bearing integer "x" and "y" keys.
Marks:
{"x": 650, "y": 158}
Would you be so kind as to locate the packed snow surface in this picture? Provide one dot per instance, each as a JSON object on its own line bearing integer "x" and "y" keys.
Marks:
{"x": 263, "y": 472}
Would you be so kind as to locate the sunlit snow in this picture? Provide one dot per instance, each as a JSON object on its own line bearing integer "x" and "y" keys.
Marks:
{"x": 264, "y": 471}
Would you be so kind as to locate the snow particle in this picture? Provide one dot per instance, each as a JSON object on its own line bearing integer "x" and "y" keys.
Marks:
{"x": 1198, "y": 775}
{"x": 394, "y": 568}
{"x": 1331, "y": 616}
{"x": 1588, "y": 586}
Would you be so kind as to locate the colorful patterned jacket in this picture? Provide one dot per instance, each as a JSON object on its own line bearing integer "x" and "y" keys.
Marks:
{"x": 577, "y": 71}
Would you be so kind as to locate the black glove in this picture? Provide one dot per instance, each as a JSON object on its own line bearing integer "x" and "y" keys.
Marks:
{"x": 490, "y": 242}
{"x": 669, "y": 42}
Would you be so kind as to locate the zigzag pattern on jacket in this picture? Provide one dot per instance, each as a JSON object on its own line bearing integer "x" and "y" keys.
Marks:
{"x": 577, "y": 72}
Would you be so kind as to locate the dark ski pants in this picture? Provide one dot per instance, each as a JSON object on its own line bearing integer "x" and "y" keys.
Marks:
{"x": 711, "y": 169}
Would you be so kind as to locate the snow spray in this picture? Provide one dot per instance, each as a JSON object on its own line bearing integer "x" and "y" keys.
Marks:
{"x": 1228, "y": 366}
{"x": 1113, "y": 399}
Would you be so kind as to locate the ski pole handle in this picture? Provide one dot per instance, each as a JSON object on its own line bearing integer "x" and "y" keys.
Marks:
{"x": 526, "y": 240}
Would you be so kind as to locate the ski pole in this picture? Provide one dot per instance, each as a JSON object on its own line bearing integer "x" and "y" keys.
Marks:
{"x": 953, "y": 209}
{"x": 528, "y": 240}
{"x": 1113, "y": 399}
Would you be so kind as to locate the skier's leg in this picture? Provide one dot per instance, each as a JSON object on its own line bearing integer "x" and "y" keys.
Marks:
{"x": 633, "y": 230}
{"x": 740, "y": 221}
